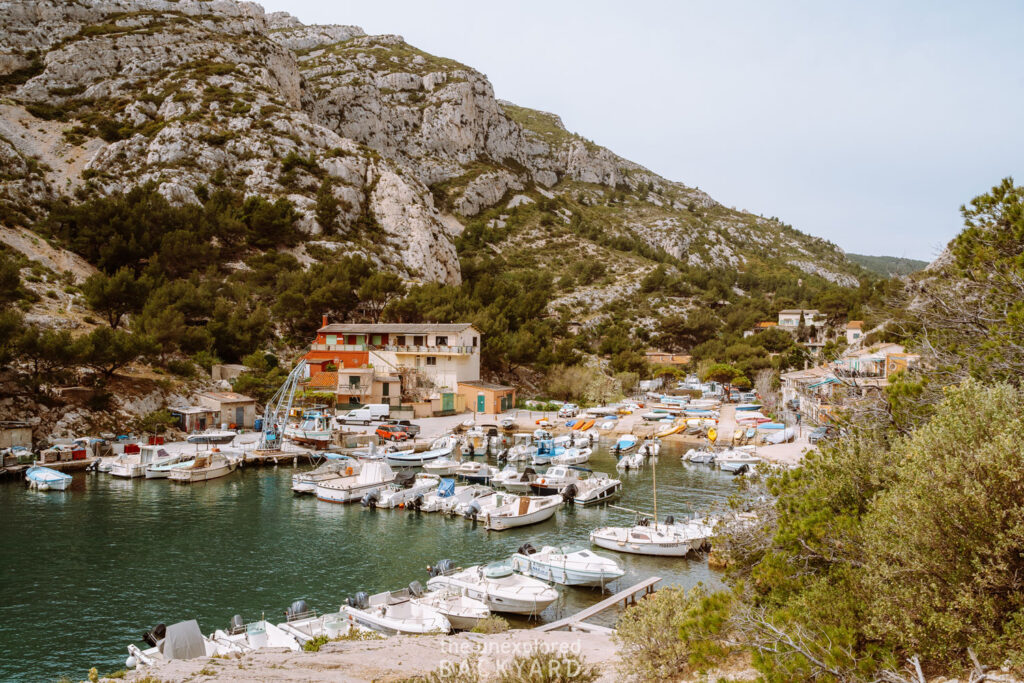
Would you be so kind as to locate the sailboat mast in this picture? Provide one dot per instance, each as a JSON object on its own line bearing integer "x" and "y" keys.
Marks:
{"x": 654, "y": 486}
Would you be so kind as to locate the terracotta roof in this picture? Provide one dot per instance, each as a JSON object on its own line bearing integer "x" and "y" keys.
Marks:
{"x": 324, "y": 380}
{"x": 767, "y": 323}
{"x": 394, "y": 328}
{"x": 855, "y": 324}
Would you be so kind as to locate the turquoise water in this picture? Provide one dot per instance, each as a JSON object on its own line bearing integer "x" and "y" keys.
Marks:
{"x": 89, "y": 570}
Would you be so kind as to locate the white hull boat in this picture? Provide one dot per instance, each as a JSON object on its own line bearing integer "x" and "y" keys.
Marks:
{"x": 373, "y": 476}
{"x": 444, "y": 501}
{"x": 333, "y": 625}
{"x": 630, "y": 462}
{"x": 596, "y": 489}
{"x": 700, "y": 457}
{"x": 395, "y": 496}
{"x": 252, "y": 637}
{"x": 476, "y": 472}
{"x": 47, "y": 479}
{"x": 305, "y": 482}
{"x": 495, "y": 585}
{"x": 554, "y": 480}
{"x": 443, "y": 466}
{"x": 461, "y": 611}
{"x": 566, "y": 566}
{"x": 441, "y": 449}
{"x": 204, "y": 468}
{"x": 133, "y": 465}
{"x": 625, "y": 444}
{"x": 395, "y": 612}
{"x": 161, "y": 469}
{"x": 650, "y": 447}
{"x": 666, "y": 540}
{"x": 183, "y": 640}
{"x": 517, "y": 482}
{"x": 572, "y": 456}
{"x": 522, "y": 511}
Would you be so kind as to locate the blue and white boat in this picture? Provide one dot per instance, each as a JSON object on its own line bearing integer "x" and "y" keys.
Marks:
{"x": 442, "y": 448}
{"x": 625, "y": 444}
{"x": 748, "y": 406}
{"x": 46, "y": 479}
{"x": 162, "y": 468}
{"x": 546, "y": 450}
{"x": 771, "y": 425}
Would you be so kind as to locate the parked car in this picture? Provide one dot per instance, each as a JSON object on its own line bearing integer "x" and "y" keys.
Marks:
{"x": 371, "y": 412}
{"x": 569, "y": 410}
{"x": 411, "y": 429}
{"x": 390, "y": 432}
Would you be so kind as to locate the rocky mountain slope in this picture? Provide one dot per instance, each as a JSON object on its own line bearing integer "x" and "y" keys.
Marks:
{"x": 103, "y": 95}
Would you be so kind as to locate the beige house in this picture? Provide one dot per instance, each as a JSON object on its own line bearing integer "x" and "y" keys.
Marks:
{"x": 789, "y": 319}
{"x": 229, "y": 408}
{"x": 854, "y": 332}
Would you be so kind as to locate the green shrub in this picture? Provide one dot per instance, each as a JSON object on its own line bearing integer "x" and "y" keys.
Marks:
{"x": 492, "y": 624}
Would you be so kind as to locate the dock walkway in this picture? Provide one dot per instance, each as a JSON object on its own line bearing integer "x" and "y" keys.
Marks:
{"x": 626, "y": 597}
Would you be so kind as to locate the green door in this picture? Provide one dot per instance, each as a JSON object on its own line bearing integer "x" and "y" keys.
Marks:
{"x": 447, "y": 402}
{"x": 481, "y": 404}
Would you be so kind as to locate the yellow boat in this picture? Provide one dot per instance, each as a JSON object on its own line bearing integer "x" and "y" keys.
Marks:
{"x": 587, "y": 425}
{"x": 671, "y": 430}
{"x": 712, "y": 434}
{"x": 578, "y": 424}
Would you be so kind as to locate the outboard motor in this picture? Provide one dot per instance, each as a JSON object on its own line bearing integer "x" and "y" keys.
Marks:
{"x": 415, "y": 589}
{"x": 236, "y": 624}
{"x": 415, "y": 503}
{"x": 360, "y": 600}
{"x": 503, "y": 457}
{"x": 370, "y": 499}
{"x": 568, "y": 493}
{"x": 297, "y": 609}
{"x": 472, "y": 510}
{"x": 527, "y": 549}
{"x": 155, "y": 634}
{"x": 440, "y": 569}
{"x": 670, "y": 520}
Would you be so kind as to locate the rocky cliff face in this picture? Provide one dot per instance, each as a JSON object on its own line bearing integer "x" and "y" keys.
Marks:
{"x": 194, "y": 94}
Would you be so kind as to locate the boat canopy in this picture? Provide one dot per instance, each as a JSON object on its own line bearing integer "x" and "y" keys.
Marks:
{"x": 446, "y": 488}
{"x": 184, "y": 640}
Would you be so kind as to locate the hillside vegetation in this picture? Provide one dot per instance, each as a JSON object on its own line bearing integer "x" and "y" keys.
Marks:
{"x": 888, "y": 266}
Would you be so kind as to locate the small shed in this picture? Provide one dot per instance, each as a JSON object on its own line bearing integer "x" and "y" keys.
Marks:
{"x": 15, "y": 433}
{"x": 195, "y": 418}
{"x": 486, "y": 397}
{"x": 234, "y": 410}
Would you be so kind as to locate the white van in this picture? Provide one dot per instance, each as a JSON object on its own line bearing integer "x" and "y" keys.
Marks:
{"x": 371, "y": 412}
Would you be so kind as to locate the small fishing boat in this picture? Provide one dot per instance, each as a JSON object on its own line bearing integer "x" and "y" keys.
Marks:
{"x": 212, "y": 436}
{"x": 566, "y": 566}
{"x": 443, "y": 467}
{"x": 243, "y": 638}
{"x": 668, "y": 540}
{"x": 595, "y": 489}
{"x": 395, "y": 612}
{"x": 335, "y": 466}
{"x": 572, "y": 456}
{"x": 47, "y": 479}
{"x": 554, "y": 479}
{"x": 630, "y": 462}
{"x": 305, "y": 626}
{"x": 476, "y": 472}
{"x": 748, "y": 406}
{"x": 650, "y": 447}
{"x": 448, "y": 496}
{"x": 522, "y": 511}
{"x": 206, "y": 466}
{"x": 482, "y": 505}
{"x": 670, "y": 430}
{"x": 495, "y": 585}
{"x": 780, "y": 436}
{"x": 441, "y": 449}
{"x": 461, "y": 611}
{"x": 700, "y": 457}
{"x": 407, "y": 490}
{"x": 182, "y": 640}
{"x": 314, "y": 429}
{"x": 547, "y": 449}
{"x": 162, "y": 468}
{"x": 514, "y": 481}
{"x": 133, "y": 465}
{"x": 374, "y": 475}
{"x": 625, "y": 444}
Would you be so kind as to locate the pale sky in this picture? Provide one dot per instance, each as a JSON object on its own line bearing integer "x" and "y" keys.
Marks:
{"x": 867, "y": 123}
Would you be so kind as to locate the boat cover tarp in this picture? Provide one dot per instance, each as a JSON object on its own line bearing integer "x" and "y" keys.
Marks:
{"x": 184, "y": 640}
{"x": 445, "y": 488}
{"x": 405, "y": 479}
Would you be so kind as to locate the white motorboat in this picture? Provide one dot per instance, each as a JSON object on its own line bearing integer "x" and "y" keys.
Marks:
{"x": 440, "y": 449}
{"x": 47, "y": 479}
{"x": 630, "y": 462}
{"x": 448, "y": 496}
{"x": 444, "y": 467}
{"x": 314, "y": 429}
{"x": 461, "y": 611}
{"x": 307, "y": 626}
{"x": 206, "y": 466}
{"x": 780, "y": 436}
{"x": 335, "y": 466}
{"x": 403, "y": 492}
{"x": 669, "y": 540}
{"x": 572, "y": 456}
{"x": 133, "y": 465}
{"x": 514, "y": 481}
{"x": 244, "y": 638}
{"x": 212, "y": 436}
{"x": 394, "y": 612}
{"x": 522, "y": 511}
{"x": 736, "y": 460}
{"x": 374, "y": 475}
{"x": 476, "y": 472}
{"x": 480, "y": 505}
{"x": 700, "y": 457}
{"x": 495, "y": 585}
{"x": 161, "y": 468}
{"x": 566, "y": 566}
{"x": 554, "y": 480}
{"x": 183, "y": 640}
{"x": 625, "y": 444}
{"x": 595, "y": 489}
{"x": 650, "y": 447}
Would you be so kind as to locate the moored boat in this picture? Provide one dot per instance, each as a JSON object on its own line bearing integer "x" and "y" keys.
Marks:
{"x": 374, "y": 475}
{"x": 395, "y": 612}
{"x": 645, "y": 539}
{"x": 161, "y": 468}
{"x": 336, "y": 466}
{"x": 566, "y": 566}
{"x": 212, "y": 436}
{"x": 522, "y": 511}
{"x": 496, "y": 585}
{"x": 47, "y": 479}
{"x": 595, "y": 489}
{"x": 206, "y": 466}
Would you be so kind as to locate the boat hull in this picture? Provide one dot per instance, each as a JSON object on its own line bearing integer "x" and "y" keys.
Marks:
{"x": 667, "y": 548}
{"x": 501, "y": 523}
{"x": 599, "y": 496}
{"x": 566, "y": 576}
{"x": 348, "y": 495}
{"x": 189, "y": 476}
{"x": 507, "y": 602}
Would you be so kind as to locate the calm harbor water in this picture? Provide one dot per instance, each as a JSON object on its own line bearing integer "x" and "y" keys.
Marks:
{"x": 87, "y": 571}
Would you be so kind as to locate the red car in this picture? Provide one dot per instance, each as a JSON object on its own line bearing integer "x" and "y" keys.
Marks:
{"x": 392, "y": 433}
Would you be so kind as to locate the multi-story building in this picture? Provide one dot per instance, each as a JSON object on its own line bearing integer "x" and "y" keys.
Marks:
{"x": 372, "y": 359}
{"x": 789, "y": 318}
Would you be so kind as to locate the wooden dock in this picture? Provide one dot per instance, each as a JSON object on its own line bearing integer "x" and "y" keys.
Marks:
{"x": 626, "y": 597}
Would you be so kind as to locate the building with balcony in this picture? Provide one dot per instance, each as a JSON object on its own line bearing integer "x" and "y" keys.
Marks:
{"x": 789, "y": 319}
{"x": 440, "y": 354}
{"x": 356, "y": 386}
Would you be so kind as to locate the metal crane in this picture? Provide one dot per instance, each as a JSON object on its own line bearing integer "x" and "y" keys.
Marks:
{"x": 278, "y": 408}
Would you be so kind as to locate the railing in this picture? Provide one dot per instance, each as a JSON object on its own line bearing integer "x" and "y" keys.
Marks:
{"x": 339, "y": 347}
{"x": 408, "y": 348}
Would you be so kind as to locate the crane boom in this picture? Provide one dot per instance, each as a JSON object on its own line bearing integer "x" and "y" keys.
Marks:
{"x": 278, "y": 408}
